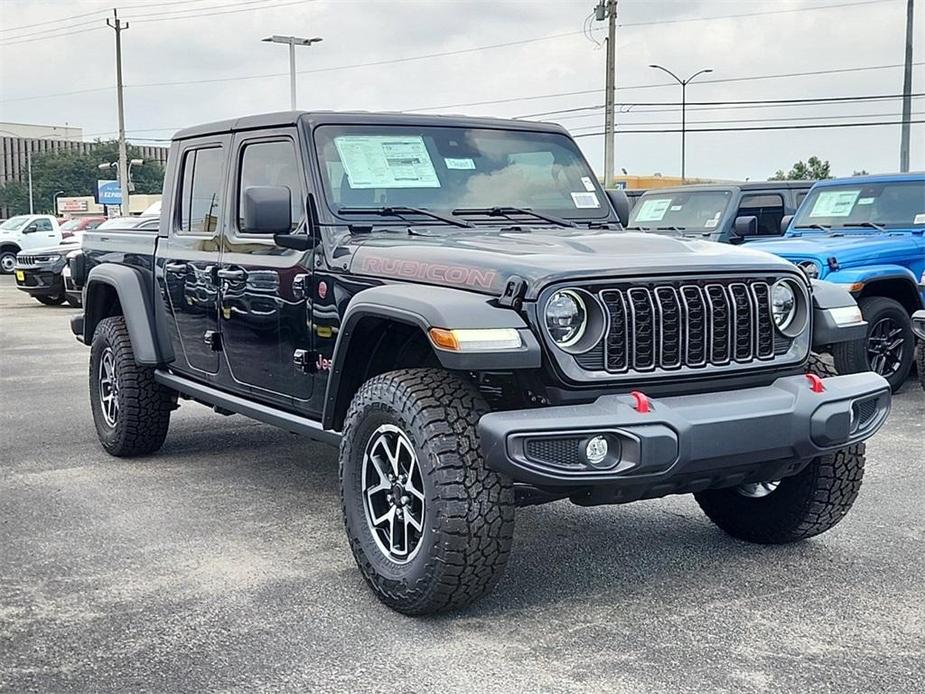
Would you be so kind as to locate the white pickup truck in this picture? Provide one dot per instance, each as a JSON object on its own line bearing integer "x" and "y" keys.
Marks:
{"x": 26, "y": 232}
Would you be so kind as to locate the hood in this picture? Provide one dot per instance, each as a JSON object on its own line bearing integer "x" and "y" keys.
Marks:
{"x": 864, "y": 248}
{"x": 61, "y": 249}
{"x": 484, "y": 260}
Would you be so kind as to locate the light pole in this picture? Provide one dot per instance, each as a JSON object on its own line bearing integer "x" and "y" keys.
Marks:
{"x": 55, "y": 201}
{"x": 683, "y": 84}
{"x": 292, "y": 42}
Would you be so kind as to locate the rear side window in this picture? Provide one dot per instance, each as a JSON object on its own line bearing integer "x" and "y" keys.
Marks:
{"x": 271, "y": 164}
{"x": 201, "y": 191}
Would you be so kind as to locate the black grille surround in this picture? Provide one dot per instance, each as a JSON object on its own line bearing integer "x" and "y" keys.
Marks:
{"x": 685, "y": 325}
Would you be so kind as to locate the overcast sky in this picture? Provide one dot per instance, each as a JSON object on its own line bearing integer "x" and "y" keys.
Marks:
{"x": 167, "y": 42}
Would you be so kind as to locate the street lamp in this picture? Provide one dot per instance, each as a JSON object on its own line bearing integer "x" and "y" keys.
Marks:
{"x": 292, "y": 42}
{"x": 683, "y": 84}
{"x": 55, "y": 200}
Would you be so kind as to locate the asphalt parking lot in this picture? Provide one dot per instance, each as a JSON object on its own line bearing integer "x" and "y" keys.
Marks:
{"x": 221, "y": 564}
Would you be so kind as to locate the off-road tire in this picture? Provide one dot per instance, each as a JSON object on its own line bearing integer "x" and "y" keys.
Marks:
{"x": 144, "y": 404}
{"x": 851, "y": 357}
{"x": 802, "y": 506}
{"x": 51, "y": 300}
{"x": 469, "y": 509}
{"x": 821, "y": 364}
{"x": 920, "y": 361}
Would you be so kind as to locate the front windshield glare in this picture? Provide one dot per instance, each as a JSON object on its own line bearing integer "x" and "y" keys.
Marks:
{"x": 14, "y": 223}
{"x": 447, "y": 169}
{"x": 700, "y": 211}
{"x": 886, "y": 205}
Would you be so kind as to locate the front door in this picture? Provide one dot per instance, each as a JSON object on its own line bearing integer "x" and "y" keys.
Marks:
{"x": 264, "y": 288}
{"x": 188, "y": 258}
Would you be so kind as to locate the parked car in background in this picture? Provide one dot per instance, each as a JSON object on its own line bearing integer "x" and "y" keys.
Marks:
{"x": 26, "y": 232}
{"x": 866, "y": 233}
{"x": 41, "y": 273}
{"x": 79, "y": 224}
{"x": 725, "y": 213}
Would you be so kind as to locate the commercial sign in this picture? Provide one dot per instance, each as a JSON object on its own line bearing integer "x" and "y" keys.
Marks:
{"x": 73, "y": 204}
{"x": 108, "y": 193}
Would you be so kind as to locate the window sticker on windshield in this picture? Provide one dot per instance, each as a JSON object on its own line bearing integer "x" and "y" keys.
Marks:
{"x": 710, "y": 223}
{"x": 653, "y": 210}
{"x": 834, "y": 203}
{"x": 386, "y": 161}
{"x": 588, "y": 184}
{"x": 585, "y": 201}
{"x": 676, "y": 208}
{"x": 919, "y": 219}
{"x": 866, "y": 201}
{"x": 461, "y": 164}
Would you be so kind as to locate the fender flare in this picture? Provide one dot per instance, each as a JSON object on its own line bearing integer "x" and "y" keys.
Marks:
{"x": 874, "y": 273}
{"x": 432, "y": 307}
{"x": 826, "y": 331}
{"x": 134, "y": 290}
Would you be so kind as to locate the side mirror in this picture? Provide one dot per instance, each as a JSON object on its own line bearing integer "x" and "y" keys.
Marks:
{"x": 31, "y": 229}
{"x": 267, "y": 210}
{"x": 621, "y": 204}
{"x": 785, "y": 223}
{"x": 743, "y": 227}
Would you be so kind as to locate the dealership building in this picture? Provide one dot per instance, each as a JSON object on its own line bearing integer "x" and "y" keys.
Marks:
{"x": 20, "y": 140}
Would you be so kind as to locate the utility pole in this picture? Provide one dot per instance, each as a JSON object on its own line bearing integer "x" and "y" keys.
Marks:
{"x": 907, "y": 94}
{"x": 607, "y": 9}
{"x": 683, "y": 84}
{"x": 119, "y": 26}
{"x": 292, "y": 42}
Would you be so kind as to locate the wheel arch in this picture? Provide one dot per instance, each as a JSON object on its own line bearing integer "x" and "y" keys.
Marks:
{"x": 118, "y": 290}
{"x": 385, "y": 328}
{"x": 901, "y": 289}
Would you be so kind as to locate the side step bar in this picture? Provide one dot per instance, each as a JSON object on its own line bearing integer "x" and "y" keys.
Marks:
{"x": 262, "y": 413}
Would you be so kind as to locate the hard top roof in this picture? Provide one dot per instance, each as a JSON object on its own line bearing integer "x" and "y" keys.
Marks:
{"x": 746, "y": 186}
{"x": 875, "y": 178}
{"x": 313, "y": 118}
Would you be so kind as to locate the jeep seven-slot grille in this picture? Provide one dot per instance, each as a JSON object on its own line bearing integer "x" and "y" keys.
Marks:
{"x": 25, "y": 259}
{"x": 672, "y": 326}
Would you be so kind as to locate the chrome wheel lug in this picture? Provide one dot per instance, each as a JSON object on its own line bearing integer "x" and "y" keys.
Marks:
{"x": 405, "y": 500}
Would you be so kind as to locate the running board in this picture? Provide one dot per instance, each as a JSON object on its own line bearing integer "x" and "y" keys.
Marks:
{"x": 262, "y": 413}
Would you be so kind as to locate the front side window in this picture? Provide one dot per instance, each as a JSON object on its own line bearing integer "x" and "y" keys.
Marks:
{"x": 886, "y": 205}
{"x": 767, "y": 207}
{"x": 681, "y": 211}
{"x": 43, "y": 225}
{"x": 456, "y": 170}
{"x": 201, "y": 190}
{"x": 271, "y": 164}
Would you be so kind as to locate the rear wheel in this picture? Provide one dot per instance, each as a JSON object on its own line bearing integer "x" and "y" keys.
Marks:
{"x": 791, "y": 509}
{"x": 890, "y": 344}
{"x": 429, "y": 525}
{"x": 130, "y": 409}
{"x": 51, "y": 299}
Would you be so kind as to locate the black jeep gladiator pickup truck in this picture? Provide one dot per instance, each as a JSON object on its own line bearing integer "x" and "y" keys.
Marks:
{"x": 455, "y": 303}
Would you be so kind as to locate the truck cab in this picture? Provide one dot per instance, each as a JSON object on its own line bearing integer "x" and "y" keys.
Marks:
{"x": 865, "y": 233}
{"x": 26, "y": 232}
{"x": 725, "y": 213}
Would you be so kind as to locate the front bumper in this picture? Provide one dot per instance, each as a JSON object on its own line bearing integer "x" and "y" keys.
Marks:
{"x": 688, "y": 442}
{"x": 38, "y": 281}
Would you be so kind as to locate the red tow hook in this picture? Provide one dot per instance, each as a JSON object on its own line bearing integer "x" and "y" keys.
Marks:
{"x": 815, "y": 383}
{"x": 643, "y": 405}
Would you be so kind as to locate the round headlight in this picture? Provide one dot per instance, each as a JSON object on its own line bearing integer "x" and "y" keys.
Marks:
{"x": 566, "y": 317}
{"x": 810, "y": 269}
{"x": 783, "y": 304}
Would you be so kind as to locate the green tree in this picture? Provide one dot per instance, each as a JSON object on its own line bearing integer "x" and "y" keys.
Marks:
{"x": 813, "y": 169}
{"x": 75, "y": 173}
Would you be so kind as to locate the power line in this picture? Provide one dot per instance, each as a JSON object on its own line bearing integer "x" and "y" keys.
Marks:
{"x": 815, "y": 126}
{"x": 839, "y": 6}
{"x": 760, "y": 120}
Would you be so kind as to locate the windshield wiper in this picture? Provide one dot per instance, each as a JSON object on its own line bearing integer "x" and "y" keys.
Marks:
{"x": 635, "y": 228}
{"x": 870, "y": 225}
{"x": 506, "y": 211}
{"x": 401, "y": 210}
{"x": 671, "y": 228}
{"x": 820, "y": 227}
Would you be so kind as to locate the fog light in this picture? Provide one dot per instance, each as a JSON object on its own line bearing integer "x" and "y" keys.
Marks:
{"x": 596, "y": 450}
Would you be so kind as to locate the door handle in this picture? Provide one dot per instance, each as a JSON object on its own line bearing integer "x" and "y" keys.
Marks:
{"x": 175, "y": 267}
{"x": 229, "y": 274}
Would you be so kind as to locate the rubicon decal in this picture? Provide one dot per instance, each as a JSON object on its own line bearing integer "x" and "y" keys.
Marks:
{"x": 433, "y": 272}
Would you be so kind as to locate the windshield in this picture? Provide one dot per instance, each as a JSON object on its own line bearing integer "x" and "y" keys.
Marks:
{"x": 70, "y": 224}
{"x": 683, "y": 210}
{"x": 884, "y": 205}
{"x": 14, "y": 223}
{"x": 452, "y": 170}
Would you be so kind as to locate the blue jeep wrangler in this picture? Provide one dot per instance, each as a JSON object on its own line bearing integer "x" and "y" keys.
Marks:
{"x": 866, "y": 232}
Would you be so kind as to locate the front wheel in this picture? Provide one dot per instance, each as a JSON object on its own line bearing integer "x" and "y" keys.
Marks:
{"x": 130, "y": 409}
{"x": 7, "y": 262}
{"x": 429, "y": 525}
{"x": 890, "y": 344}
{"x": 794, "y": 508}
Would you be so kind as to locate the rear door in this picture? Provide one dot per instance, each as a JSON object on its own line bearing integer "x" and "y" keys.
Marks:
{"x": 264, "y": 318}
{"x": 189, "y": 257}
